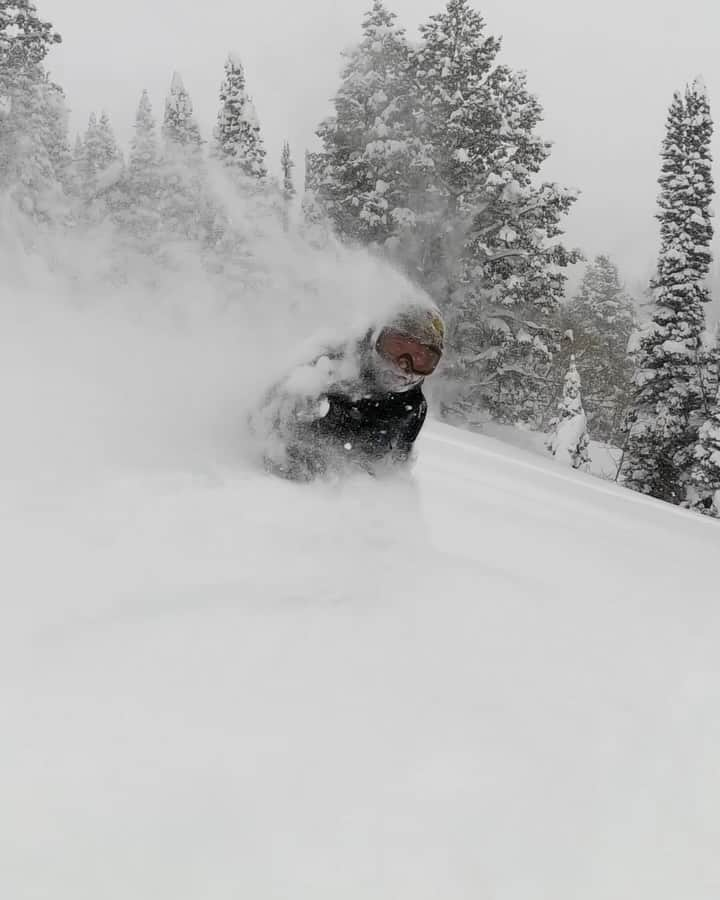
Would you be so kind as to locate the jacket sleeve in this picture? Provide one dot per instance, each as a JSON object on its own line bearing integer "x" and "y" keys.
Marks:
{"x": 404, "y": 445}
{"x": 283, "y": 423}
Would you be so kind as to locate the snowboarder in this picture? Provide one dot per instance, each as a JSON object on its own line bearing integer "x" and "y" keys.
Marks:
{"x": 360, "y": 404}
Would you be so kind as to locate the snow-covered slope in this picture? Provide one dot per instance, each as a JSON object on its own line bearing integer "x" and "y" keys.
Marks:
{"x": 497, "y": 679}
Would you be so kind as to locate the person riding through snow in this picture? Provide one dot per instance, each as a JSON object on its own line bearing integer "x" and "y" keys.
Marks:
{"x": 361, "y": 404}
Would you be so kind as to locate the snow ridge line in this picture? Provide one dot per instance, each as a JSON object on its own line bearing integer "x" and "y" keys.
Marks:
{"x": 580, "y": 479}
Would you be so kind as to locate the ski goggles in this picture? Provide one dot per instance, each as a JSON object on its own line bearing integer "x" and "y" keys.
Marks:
{"x": 407, "y": 354}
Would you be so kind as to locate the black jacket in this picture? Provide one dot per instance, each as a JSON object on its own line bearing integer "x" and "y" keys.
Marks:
{"x": 358, "y": 424}
{"x": 371, "y": 426}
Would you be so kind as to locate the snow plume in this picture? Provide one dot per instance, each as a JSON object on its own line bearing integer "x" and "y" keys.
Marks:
{"x": 160, "y": 365}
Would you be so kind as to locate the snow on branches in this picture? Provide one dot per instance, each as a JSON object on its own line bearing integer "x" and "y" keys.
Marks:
{"x": 671, "y": 389}
{"x": 570, "y": 442}
{"x": 238, "y": 142}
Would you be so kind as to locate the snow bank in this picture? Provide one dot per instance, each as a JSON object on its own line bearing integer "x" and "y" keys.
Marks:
{"x": 604, "y": 458}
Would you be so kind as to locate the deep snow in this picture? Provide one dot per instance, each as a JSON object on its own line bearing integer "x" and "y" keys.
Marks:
{"x": 495, "y": 679}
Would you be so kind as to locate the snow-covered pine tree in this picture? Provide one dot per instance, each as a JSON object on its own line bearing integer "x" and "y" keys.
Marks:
{"x": 98, "y": 170}
{"x": 238, "y": 141}
{"x": 711, "y": 368}
{"x": 602, "y": 297}
{"x": 91, "y": 152}
{"x": 144, "y": 146}
{"x": 490, "y": 254}
{"x": 78, "y": 163}
{"x": 138, "y": 212}
{"x": 313, "y": 168}
{"x": 108, "y": 150}
{"x": 601, "y": 318}
{"x": 315, "y": 225}
{"x": 99, "y": 148}
{"x": 186, "y": 208}
{"x": 704, "y": 481}
{"x": 32, "y": 114}
{"x": 78, "y": 149}
{"x": 287, "y": 165}
{"x": 239, "y": 146}
{"x": 451, "y": 67}
{"x": 180, "y": 130}
{"x": 288, "y": 184}
{"x": 24, "y": 39}
{"x": 670, "y": 402}
{"x": 57, "y": 135}
{"x": 570, "y": 442}
{"x": 700, "y": 138}
{"x": 501, "y": 304}
{"x": 366, "y": 170}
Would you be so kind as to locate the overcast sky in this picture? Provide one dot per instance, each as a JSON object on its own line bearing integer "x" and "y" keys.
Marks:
{"x": 605, "y": 74}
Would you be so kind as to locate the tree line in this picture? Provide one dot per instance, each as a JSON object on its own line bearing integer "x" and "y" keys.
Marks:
{"x": 431, "y": 159}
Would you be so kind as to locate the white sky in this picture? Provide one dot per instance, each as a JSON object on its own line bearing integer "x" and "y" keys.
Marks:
{"x": 605, "y": 74}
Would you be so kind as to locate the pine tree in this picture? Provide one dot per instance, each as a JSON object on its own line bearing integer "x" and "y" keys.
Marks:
{"x": 311, "y": 174}
{"x": 601, "y": 318}
{"x": 238, "y": 142}
{"x": 603, "y": 298}
{"x": 97, "y": 164}
{"x": 288, "y": 184}
{"x": 32, "y": 114}
{"x": 704, "y": 492}
{"x": 711, "y": 368}
{"x": 57, "y": 135}
{"x": 144, "y": 148}
{"x": 142, "y": 188}
{"x": 92, "y": 151}
{"x": 287, "y": 165}
{"x": 239, "y": 146}
{"x": 24, "y": 40}
{"x": 186, "y": 208}
{"x": 180, "y": 130}
{"x": 315, "y": 225}
{"x": 108, "y": 151}
{"x": 78, "y": 154}
{"x": 367, "y": 169}
{"x": 570, "y": 443}
{"x": 451, "y": 67}
{"x": 501, "y": 302}
{"x": 76, "y": 186}
{"x": 670, "y": 401}
{"x": 478, "y": 120}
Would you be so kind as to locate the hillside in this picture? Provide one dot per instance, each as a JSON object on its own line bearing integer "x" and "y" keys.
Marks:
{"x": 498, "y": 679}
